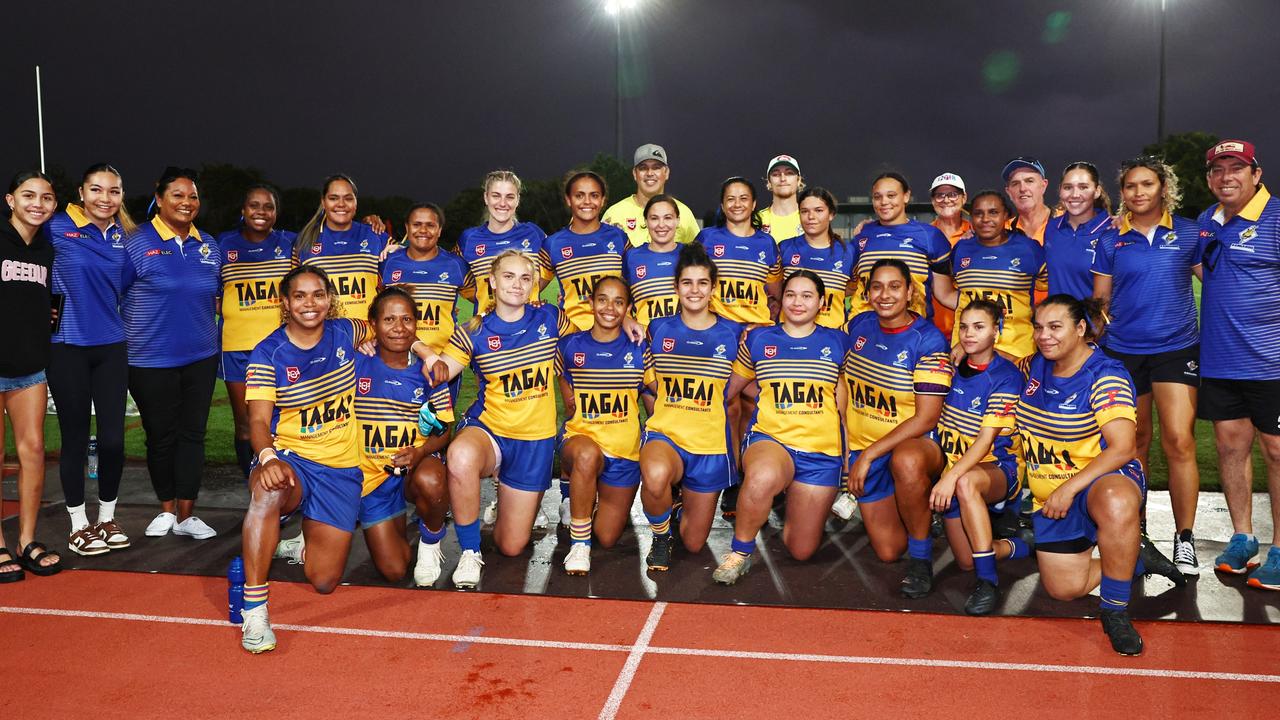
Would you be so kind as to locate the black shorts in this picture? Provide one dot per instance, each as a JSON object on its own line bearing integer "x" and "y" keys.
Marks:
{"x": 1174, "y": 366}
{"x": 1258, "y": 400}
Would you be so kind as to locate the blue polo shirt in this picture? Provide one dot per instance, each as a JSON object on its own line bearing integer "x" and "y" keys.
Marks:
{"x": 87, "y": 271}
{"x": 1069, "y": 254}
{"x": 1240, "y": 326}
{"x": 171, "y": 293}
{"x": 1152, "y": 307}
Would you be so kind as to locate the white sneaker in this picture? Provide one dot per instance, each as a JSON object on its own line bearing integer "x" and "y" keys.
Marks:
{"x": 844, "y": 506}
{"x": 291, "y": 549}
{"x": 194, "y": 527}
{"x": 578, "y": 561}
{"x": 566, "y": 518}
{"x": 427, "y": 569}
{"x": 255, "y": 631}
{"x": 490, "y": 515}
{"x": 467, "y": 574}
{"x": 161, "y": 525}
{"x": 542, "y": 520}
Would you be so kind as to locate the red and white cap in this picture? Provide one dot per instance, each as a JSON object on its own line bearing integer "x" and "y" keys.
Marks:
{"x": 1231, "y": 148}
{"x": 947, "y": 178}
{"x": 782, "y": 160}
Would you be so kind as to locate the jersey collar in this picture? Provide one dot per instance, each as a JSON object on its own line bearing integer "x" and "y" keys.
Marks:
{"x": 1166, "y": 221}
{"x": 167, "y": 233}
{"x": 1251, "y": 212}
{"x": 81, "y": 220}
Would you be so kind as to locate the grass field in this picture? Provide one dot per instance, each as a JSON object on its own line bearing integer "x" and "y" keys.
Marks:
{"x": 218, "y": 442}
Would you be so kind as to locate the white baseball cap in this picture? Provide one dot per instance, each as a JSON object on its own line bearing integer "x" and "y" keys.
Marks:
{"x": 947, "y": 179}
{"x": 782, "y": 160}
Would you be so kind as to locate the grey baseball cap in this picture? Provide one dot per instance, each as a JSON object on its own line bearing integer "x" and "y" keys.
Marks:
{"x": 649, "y": 151}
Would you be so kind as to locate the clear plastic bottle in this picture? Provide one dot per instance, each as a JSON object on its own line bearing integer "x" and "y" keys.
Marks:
{"x": 235, "y": 591}
{"x": 93, "y": 457}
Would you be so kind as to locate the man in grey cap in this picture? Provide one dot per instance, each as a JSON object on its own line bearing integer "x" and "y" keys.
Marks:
{"x": 651, "y": 172}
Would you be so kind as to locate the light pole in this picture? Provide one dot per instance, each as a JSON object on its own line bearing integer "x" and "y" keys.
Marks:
{"x": 1160, "y": 95}
{"x": 615, "y": 8}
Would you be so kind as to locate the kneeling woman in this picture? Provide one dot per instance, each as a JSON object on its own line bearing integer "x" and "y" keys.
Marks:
{"x": 977, "y": 437}
{"x": 793, "y": 443}
{"x": 510, "y": 429}
{"x": 601, "y": 375}
{"x": 687, "y": 439}
{"x": 898, "y": 372}
{"x": 1076, "y": 417}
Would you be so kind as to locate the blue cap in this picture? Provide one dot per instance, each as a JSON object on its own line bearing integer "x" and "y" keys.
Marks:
{"x": 1020, "y": 162}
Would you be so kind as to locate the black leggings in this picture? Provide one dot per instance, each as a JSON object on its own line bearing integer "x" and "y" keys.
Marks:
{"x": 77, "y": 376}
{"x": 174, "y": 405}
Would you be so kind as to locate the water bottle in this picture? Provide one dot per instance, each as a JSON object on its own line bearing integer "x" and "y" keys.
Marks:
{"x": 235, "y": 591}
{"x": 93, "y": 457}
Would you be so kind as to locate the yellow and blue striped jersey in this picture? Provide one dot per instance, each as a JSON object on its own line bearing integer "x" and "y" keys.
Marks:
{"x": 652, "y": 277}
{"x": 578, "y": 261}
{"x": 744, "y": 266}
{"x": 691, "y": 369}
{"x": 479, "y": 245}
{"x": 885, "y": 370}
{"x": 513, "y": 363}
{"x": 435, "y": 284}
{"x": 251, "y": 274}
{"x": 986, "y": 398}
{"x": 606, "y": 379}
{"x": 387, "y": 404}
{"x": 922, "y": 247}
{"x": 350, "y": 258}
{"x": 833, "y": 264}
{"x": 313, "y": 391}
{"x": 797, "y": 378}
{"x": 1060, "y": 419}
{"x": 1008, "y": 275}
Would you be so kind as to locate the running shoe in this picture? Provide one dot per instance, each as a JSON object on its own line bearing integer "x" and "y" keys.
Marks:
{"x": 983, "y": 599}
{"x": 1119, "y": 629}
{"x": 578, "y": 561}
{"x": 735, "y": 565}
{"x": 1267, "y": 577}
{"x": 490, "y": 515}
{"x": 844, "y": 506}
{"x": 113, "y": 535}
{"x": 1237, "y": 559}
{"x": 161, "y": 525}
{"x": 919, "y": 579}
{"x": 255, "y": 631}
{"x": 729, "y": 502}
{"x": 544, "y": 520}
{"x": 659, "y": 557}
{"x": 292, "y": 549}
{"x": 194, "y": 527}
{"x": 1157, "y": 564}
{"x": 1184, "y": 553}
{"x": 426, "y": 570}
{"x": 467, "y": 574}
{"x": 566, "y": 517}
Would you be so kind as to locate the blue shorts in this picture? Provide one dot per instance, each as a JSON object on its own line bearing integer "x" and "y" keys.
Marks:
{"x": 1077, "y": 531}
{"x": 233, "y": 366}
{"x": 811, "y": 468}
{"x": 702, "y": 473}
{"x": 329, "y": 495}
{"x": 522, "y": 464}
{"x": 9, "y": 384}
{"x": 879, "y": 484}
{"x": 384, "y": 502}
{"x": 1012, "y": 489}
{"x": 617, "y": 472}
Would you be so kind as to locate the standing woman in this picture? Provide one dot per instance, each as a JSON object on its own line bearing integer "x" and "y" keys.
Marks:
{"x": 1142, "y": 274}
{"x": 821, "y": 250}
{"x": 501, "y": 231}
{"x": 650, "y": 270}
{"x": 746, "y": 257}
{"x": 947, "y": 196}
{"x": 254, "y": 258}
{"x": 346, "y": 249}
{"x": 434, "y": 277}
{"x": 88, "y": 362}
{"x": 586, "y": 250}
{"x": 1071, "y": 239}
{"x": 171, "y": 283}
{"x": 27, "y": 255}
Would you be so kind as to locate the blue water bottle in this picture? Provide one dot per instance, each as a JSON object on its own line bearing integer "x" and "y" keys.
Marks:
{"x": 235, "y": 591}
{"x": 93, "y": 457}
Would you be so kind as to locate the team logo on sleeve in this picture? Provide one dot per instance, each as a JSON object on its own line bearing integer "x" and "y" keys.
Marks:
{"x": 964, "y": 262}
{"x": 364, "y": 385}
{"x": 766, "y": 228}
{"x": 717, "y": 250}
{"x": 641, "y": 271}
{"x": 862, "y": 243}
{"x": 579, "y": 359}
{"x": 770, "y": 351}
{"x": 480, "y": 250}
{"x": 395, "y": 275}
{"x": 316, "y": 248}
{"x": 857, "y": 344}
{"x": 795, "y": 258}
{"x": 631, "y": 223}
{"x": 292, "y": 374}
{"x": 233, "y": 255}
{"x": 566, "y": 252}
{"x": 1032, "y": 387}
{"x": 494, "y": 342}
{"x": 668, "y": 344}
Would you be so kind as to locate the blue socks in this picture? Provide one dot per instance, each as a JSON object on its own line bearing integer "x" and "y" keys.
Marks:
{"x": 468, "y": 535}
{"x": 920, "y": 549}
{"x": 430, "y": 537}
{"x": 660, "y": 524}
{"x": 1114, "y": 594}
{"x": 1139, "y": 569}
{"x": 984, "y": 564}
{"x": 743, "y": 547}
{"x": 1020, "y": 548}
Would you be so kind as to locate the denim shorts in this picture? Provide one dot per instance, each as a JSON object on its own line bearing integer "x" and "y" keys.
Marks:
{"x": 9, "y": 384}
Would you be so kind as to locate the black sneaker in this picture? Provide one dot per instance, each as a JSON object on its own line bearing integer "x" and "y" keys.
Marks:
{"x": 1184, "y": 553}
{"x": 1119, "y": 629}
{"x": 983, "y": 599}
{"x": 729, "y": 502}
{"x": 1157, "y": 564}
{"x": 659, "y": 553}
{"x": 919, "y": 579}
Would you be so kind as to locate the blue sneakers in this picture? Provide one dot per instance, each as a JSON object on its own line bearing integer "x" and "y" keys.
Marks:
{"x": 1236, "y": 558}
{"x": 1267, "y": 577}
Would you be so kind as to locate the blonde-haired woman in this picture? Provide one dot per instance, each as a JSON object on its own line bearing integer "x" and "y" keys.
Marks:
{"x": 501, "y": 230}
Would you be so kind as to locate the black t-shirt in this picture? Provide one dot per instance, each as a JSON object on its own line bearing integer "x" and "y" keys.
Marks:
{"x": 24, "y": 296}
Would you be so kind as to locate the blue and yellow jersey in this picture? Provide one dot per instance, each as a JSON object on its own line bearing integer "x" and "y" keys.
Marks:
{"x": 578, "y": 261}
{"x": 1069, "y": 254}
{"x": 514, "y": 365}
{"x": 1239, "y": 334}
{"x": 313, "y": 391}
{"x": 387, "y": 403}
{"x": 628, "y": 216}
{"x": 744, "y": 266}
{"x": 350, "y": 257}
{"x": 780, "y": 227}
{"x": 652, "y": 277}
{"x": 1153, "y": 305}
{"x": 922, "y": 247}
{"x": 171, "y": 294}
{"x": 798, "y": 378}
{"x": 478, "y": 246}
{"x": 435, "y": 284}
{"x": 87, "y": 272}
{"x": 986, "y": 398}
{"x": 833, "y": 264}
{"x": 606, "y": 379}
{"x": 251, "y": 274}
{"x": 690, "y": 371}
{"x": 1008, "y": 275}
{"x": 885, "y": 370}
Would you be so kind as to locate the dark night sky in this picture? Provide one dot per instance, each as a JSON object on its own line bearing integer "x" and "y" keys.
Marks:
{"x": 422, "y": 98}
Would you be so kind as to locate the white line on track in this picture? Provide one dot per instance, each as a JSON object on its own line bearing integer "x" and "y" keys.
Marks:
{"x": 642, "y": 647}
